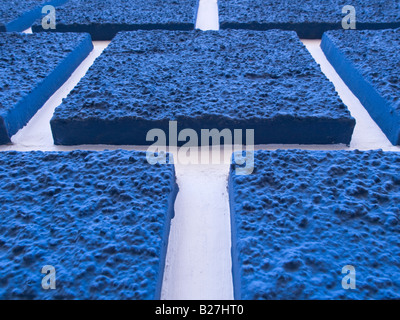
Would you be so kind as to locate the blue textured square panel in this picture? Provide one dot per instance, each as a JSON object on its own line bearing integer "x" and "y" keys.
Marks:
{"x": 32, "y": 68}
{"x": 103, "y": 19}
{"x": 369, "y": 63}
{"x": 310, "y": 18}
{"x": 302, "y": 216}
{"x": 238, "y": 79}
{"x": 19, "y": 15}
{"x": 101, "y": 219}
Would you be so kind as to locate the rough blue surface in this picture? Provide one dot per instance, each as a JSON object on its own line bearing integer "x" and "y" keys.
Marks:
{"x": 103, "y": 19}
{"x": 302, "y": 216}
{"x": 100, "y": 218}
{"x": 32, "y": 68}
{"x": 20, "y": 14}
{"x": 310, "y": 18}
{"x": 235, "y": 79}
{"x": 369, "y": 63}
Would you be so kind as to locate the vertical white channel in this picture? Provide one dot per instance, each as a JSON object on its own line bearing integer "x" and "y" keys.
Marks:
{"x": 207, "y": 15}
{"x": 198, "y": 263}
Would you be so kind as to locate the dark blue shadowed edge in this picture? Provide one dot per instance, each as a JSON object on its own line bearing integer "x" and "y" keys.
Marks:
{"x": 130, "y": 131}
{"x": 377, "y": 106}
{"x": 234, "y": 251}
{"x": 305, "y": 30}
{"x": 167, "y": 228}
{"x": 107, "y": 31}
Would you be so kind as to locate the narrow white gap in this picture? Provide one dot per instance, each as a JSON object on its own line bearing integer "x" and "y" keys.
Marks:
{"x": 367, "y": 134}
{"x": 198, "y": 263}
{"x": 207, "y": 15}
{"x": 29, "y": 30}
